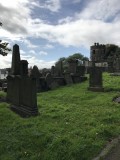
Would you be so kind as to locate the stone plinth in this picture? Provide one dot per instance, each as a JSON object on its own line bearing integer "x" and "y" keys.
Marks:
{"x": 21, "y": 93}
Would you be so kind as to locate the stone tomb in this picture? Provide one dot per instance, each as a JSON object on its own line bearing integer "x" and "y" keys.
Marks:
{"x": 21, "y": 91}
{"x": 95, "y": 79}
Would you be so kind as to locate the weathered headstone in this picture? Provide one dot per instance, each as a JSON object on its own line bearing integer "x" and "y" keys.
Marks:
{"x": 72, "y": 66}
{"x": 36, "y": 74}
{"x": 77, "y": 72}
{"x": 49, "y": 80}
{"x": 95, "y": 79}
{"x": 68, "y": 78}
{"x": 117, "y": 65}
{"x": 53, "y": 70}
{"x": 80, "y": 70}
{"x": 58, "y": 69}
{"x": 23, "y": 68}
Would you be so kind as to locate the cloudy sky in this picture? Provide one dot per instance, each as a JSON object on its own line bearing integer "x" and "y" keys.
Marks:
{"x": 46, "y": 30}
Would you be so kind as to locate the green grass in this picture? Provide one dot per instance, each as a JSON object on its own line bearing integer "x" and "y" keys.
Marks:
{"x": 74, "y": 124}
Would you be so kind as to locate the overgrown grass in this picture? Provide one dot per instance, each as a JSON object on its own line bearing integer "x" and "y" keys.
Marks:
{"x": 74, "y": 124}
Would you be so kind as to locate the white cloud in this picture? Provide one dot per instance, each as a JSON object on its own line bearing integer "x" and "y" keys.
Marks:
{"x": 43, "y": 53}
{"x": 32, "y": 52}
{"x": 100, "y": 9}
{"x": 13, "y": 16}
{"x": 40, "y": 63}
{"x": 22, "y": 52}
{"x": 48, "y": 46}
{"x": 5, "y": 62}
{"x": 83, "y": 29}
{"x": 79, "y": 32}
{"x": 29, "y": 44}
{"x": 65, "y": 20}
{"x": 87, "y": 27}
{"x": 52, "y": 5}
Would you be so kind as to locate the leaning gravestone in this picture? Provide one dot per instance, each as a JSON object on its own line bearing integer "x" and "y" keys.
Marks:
{"x": 21, "y": 91}
{"x": 95, "y": 79}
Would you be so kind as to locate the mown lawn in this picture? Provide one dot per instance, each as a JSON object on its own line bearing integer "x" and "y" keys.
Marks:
{"x": 74, "y": 124}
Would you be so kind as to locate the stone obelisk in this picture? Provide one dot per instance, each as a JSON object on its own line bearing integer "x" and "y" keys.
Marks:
{"x": 15, "y": 68}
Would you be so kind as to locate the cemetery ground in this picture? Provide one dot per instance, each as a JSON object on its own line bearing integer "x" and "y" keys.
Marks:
{"x": 73, "y": 124}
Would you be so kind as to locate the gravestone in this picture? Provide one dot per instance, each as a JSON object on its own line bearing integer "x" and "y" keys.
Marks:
{"x": 72, "y": 64}
{"x": 68, "y": 78}
{"x": 77, "y": 72}
{"x": 81, "y": 70}
{"x": 23, "y": 68}
{"x": 95, "y": 79}
{"x": 57, "y": 75}
{"x": 53, "y": 70}
{"x": 117, "y": 65}
{"x": 49, "y": 80}
{"x": 36, "y": 74}
{"x": 21, "y": 89}
{"x": 58, "y": 69}
{"x": 42, "y": 85}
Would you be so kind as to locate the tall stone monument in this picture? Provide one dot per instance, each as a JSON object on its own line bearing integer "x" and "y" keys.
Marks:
{"x": 15, "y": 69}
{"x": 21, "y": 91}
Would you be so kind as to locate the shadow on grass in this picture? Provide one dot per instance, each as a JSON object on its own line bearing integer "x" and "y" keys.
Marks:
{"x": 111, "y": 89}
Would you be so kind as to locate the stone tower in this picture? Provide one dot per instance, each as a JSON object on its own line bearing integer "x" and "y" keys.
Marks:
{"x": 97, "y": 52}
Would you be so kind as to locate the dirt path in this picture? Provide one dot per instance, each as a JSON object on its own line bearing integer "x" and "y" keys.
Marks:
{"x": 111, "y": 151}
{"x": 114, "y": 154}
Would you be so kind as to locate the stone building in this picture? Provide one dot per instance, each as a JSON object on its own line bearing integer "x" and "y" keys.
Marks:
{"x": 97, "y": 52}
{"x": 100, "y": 53}
{"x": 3, "y": 73}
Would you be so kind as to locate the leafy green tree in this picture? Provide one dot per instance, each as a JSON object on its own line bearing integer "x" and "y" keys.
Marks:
{"x": 85, "y": 59}
{"x": 3, "y": 47}
{"x": 61, "y": 59}
{"x": 77, "y": 56}
{"x": 111, "y": 50}
{"x": 118, "y": 51}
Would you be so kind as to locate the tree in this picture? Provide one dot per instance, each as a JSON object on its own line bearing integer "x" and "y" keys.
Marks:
{"x": 61, "y": 59}
{"x": 118, "y": 52}
{"x": 111, "y": 50}
{"x": 85, "y": 59}
{"x": 3, "y": 46}
{"x": 77, "y": 56}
